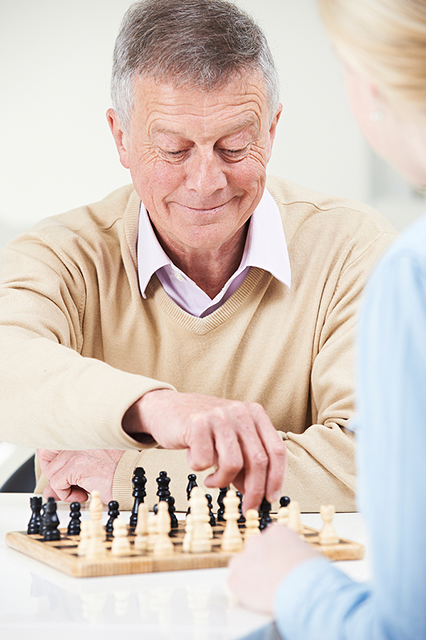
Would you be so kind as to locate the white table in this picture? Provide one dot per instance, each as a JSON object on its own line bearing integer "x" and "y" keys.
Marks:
{"x": 38, "y": 602}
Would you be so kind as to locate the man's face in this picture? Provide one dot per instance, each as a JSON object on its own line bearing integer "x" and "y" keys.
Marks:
{"x": 197, "y": 159}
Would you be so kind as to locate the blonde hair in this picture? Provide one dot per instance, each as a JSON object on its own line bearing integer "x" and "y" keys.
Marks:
{"x": 387, "y": 41}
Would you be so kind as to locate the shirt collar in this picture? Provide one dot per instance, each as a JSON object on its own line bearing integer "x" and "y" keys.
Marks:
{"x": 265, "y": 246}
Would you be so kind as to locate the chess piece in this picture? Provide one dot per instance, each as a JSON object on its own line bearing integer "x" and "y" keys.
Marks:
{"x": 35, "y": 520}
{"x": 264, "y": 511}
{"x": 51, "y": 521}
{"x": 120, "y": 544}
{"x": 283, "y": 516}
{"x": 241, "y": 519}
{"x": 252, "y": 524}
{"x": 95, "y": 506}
{"x": 220, "y": 512}
{"x": 192, "y": 482}
{"x": 212, "y": 519}
{"x": 141, "y": 539}
{"x": 74, "y": 524}
{"x": 84, "y": 538}
{"x": 294, "y": 523}
{"x": 201, "y": 538}
{"x": 327, "y": 535}
{"x": 283, "y": 510}
{"x": 152, "y": 531}
{"x": 172, "y": 514}
{"x": 163, "y": 482}
{"x": 138, "y": 493}
{"x": 231, "y": 539}
{"x": 163, "y": 545}
{"x": 187, "y": 539}
{"x": 113, "y": 513}
{"x": 95, "y": 545}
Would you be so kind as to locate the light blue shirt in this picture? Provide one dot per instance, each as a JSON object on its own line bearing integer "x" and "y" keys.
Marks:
{"x": 317, "y": 601}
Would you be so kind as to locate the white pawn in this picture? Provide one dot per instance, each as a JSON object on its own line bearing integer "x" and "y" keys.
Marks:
{"x": 152, "y": 531}
{"x": 201, "y": 540}
{"x": 163, "y": 545}
{"x": 84, "y": 538}
{"x": 187, "y": 539}
{"x": 252, "y": 524}
{"x": 327, "y": 535}
{"x": 232, "y": 541}
{"x": 120, "y": 543}
{"x": 294, "y": 522}
{"x": 283, "y": 516}
{"x": 141, "y": 539}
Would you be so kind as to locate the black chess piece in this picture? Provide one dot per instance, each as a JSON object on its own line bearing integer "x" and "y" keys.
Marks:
{"x": 51, "y": 521}
{"x": 264, "y": 511}
{"x": 173, "y": 518}
{"x": 74, "y": 524}
{"x": 113, "y": 513}
{"x": 221, "y": 511}
{"x": 212, "y": 519}
{"x": 138, "y": 493}
{"x": 192, "y": 482}
{"x": 241, "y": 519}
{"x": 35, "y": 521}
{"x": 284, "y": 501}
{"x": 163, "y": 482}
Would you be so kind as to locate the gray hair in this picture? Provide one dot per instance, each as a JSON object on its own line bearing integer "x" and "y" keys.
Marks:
{"x": 197, "y": 43}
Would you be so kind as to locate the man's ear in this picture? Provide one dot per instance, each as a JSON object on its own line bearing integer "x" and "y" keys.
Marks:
{"x": 119, "y": 135}
{"x": 273, "y": 129}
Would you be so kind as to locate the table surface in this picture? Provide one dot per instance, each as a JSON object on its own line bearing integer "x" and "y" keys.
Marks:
{"x": 37, "y": 601}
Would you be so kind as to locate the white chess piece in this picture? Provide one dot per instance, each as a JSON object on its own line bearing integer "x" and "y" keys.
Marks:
{"x": 201, "y": 539}
{"x": 84, "y": 538}
{"x": 141, "y": 539}
{"x": 163, "y": 545}
{"x": 283, "y": 516}
{"x": 231, "y": 540}
{"x": 294, "y": 522}
{"x": 252, "y": 524}
{"x": 152, "y": 531}
{"x": 186, "y": 544}
{"x": 120, "y": 543}
{"x": 327, "y": 535}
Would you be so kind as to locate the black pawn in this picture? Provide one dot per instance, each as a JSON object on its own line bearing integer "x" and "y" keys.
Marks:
{"x": 221, "y": 511}
{"x": 241, "y": 519}
{"x": 264, "y": 511}
{"x": 173, "y": 518}
{"x": 35, "y": 520}
{"x": 284, "y": 501}
{"x": 192, "y": 482}
{"x": 212, "y": 519}
{"x": 74, "y": 524}
{"x": 163, "y": 482}
{"x": 113, "y": 513}
{"x": 138, "y": 493}
{"x": 51, "y": 521}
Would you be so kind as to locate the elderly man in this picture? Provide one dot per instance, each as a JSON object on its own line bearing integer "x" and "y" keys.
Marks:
{"x": 195, "y": 320}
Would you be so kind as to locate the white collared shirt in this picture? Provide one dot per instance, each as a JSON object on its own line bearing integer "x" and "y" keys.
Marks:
{"x": 265, "y": 248}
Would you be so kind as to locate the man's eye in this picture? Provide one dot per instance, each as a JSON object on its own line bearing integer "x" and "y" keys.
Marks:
{"x": 234, "y": 154}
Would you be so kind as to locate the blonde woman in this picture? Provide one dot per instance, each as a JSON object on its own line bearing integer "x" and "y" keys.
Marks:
{"x": 382, "y": 45}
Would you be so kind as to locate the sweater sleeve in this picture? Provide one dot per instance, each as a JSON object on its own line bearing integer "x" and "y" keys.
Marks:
{"x": 50, "y": 391}
{"x": 321, "y": 460}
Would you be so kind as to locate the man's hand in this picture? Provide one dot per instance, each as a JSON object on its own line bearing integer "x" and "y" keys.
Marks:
{"x": 255, "y": 574}
{"x": 72, "y": 475}
{"x": 236, "y": 437}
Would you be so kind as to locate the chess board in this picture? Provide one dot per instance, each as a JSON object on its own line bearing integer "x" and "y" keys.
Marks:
{"x": 62, "y": 554}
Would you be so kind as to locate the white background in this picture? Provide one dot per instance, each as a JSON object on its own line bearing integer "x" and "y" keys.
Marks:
{"x": 56, "y": 148}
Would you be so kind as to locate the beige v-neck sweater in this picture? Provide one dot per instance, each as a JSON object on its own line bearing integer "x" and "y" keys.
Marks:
{"x": 79, "y": 344}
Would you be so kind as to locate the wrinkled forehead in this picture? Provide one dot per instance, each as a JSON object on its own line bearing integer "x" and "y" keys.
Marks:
{"x": 162, "y": 105}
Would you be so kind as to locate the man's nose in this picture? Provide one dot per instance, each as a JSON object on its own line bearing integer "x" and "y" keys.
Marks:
{"x": 205, "y": 173}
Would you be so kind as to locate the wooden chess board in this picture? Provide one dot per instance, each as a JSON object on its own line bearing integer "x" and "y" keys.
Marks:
{"x": 62, "y": 554}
